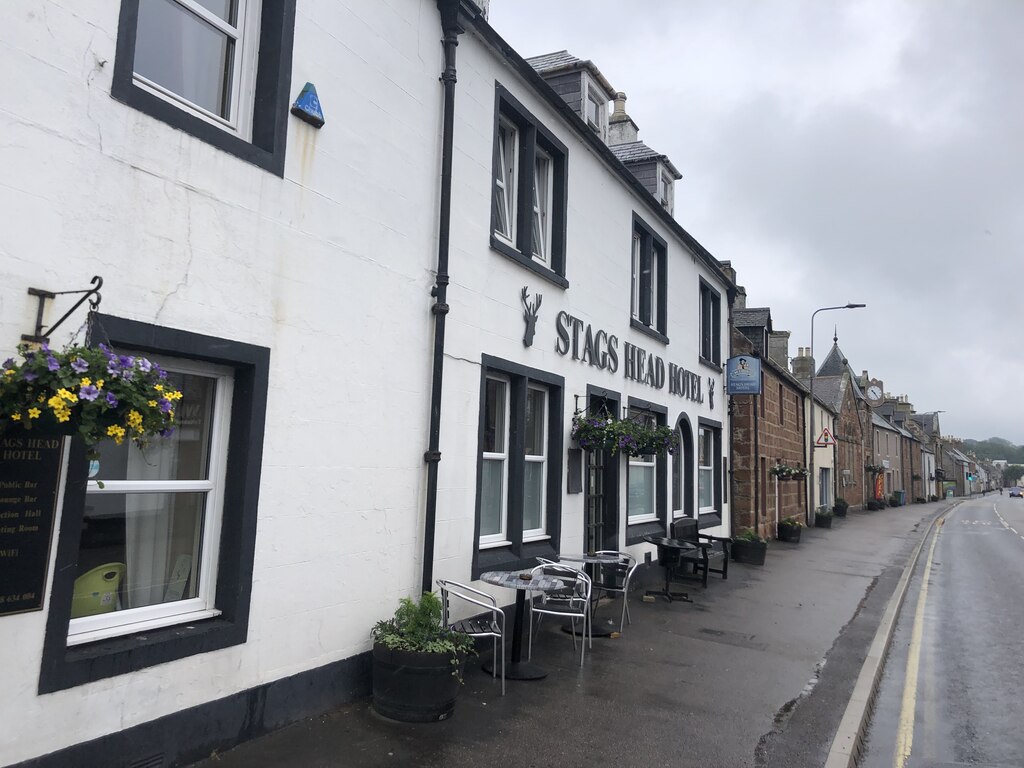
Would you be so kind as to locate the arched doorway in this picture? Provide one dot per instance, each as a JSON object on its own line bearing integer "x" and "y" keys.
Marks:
{"x": 683, "y": 471}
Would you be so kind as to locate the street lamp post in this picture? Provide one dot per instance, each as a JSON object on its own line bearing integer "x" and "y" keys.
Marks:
{"x": 810, "y": 461}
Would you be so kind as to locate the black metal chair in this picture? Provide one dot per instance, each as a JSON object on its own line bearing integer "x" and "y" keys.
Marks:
{"x": 708, "y": 548}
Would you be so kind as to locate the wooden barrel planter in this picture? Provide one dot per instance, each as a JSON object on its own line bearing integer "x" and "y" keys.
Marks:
{"x": 413, "y": 686}
{"x": 822, "y": 521}
{"x": 750, "y": 552}
{"x": 789, "y": 533}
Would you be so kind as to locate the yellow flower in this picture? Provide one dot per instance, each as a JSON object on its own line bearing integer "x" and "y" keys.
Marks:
{"x": 33, "y": 413}
{"x": 158, "y": 387}
{"x": 151, "y": 403}
{"x": 41, "y": 399}
{"x": 86, "y": 381}
{"x": 134, "y": 420}
{"x": 15, "y": 417}
{"x": 116, "y": 432}
{"x": 99, "y": 383}
{"x": 67, "y": 395}
{"x": 173, "y": 396}
{"x": 9, "y": 372}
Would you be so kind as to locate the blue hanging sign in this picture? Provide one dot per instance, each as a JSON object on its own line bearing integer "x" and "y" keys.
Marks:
{"x": 743, "y": 375}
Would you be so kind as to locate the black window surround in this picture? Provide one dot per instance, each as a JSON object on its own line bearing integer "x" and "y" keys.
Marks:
{"x": 711, "y": 519}
{"x": 710, "y": 326}
{"x": 532, "y": 135}
{"x": 652, "y": 321}
{"x": 266, "y": 149}
{"x": 520, "y": 554}
{"x": 66, "y": 667}
{"x": 635, "y": 532}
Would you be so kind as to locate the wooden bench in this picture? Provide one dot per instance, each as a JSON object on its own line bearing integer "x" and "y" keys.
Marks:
{"x": 707, "y": 549}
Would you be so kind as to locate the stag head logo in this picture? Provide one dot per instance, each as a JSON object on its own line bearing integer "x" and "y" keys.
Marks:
{"x": 530, "y": 316}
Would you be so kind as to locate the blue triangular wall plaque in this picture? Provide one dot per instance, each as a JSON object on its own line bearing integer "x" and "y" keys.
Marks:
{"x": 307, "y": 106}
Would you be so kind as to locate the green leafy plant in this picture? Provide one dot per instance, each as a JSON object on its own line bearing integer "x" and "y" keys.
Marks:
{"x": 749, "y": 535}
{"x": 418, "y": 626}
{"x": 86, "y": 391}
{"x": 823, "y": 512}
{"x": 629, "y": 436}
{"x": 874, "y": 469}
{"x": 791, "y": 522}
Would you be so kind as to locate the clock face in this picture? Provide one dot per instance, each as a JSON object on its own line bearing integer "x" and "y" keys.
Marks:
{"x": 874, "y": 392}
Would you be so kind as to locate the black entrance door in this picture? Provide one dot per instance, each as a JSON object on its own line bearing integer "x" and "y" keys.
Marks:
{"x": 602, "y": 492}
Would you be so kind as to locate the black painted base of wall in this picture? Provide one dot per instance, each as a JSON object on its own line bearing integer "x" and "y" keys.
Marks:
{"x": 193, "y": 734}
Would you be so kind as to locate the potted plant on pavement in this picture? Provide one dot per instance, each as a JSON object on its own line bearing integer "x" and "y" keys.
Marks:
{"x": 417, "y": 662}
{"x": 748, "y": 547}
{"x": 789, "y": 530}
{"x": 840, "y": 507}
{"x": 823, "y": 517}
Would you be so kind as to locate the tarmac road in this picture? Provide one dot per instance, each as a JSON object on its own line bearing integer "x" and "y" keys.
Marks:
{"x": 756, "y": 671}
{"x": 965, "y": 652}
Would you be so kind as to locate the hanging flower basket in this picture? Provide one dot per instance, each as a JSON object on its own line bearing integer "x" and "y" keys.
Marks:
{"x": 874, "y": 469}
{"x": 89, "y": 392}
{"x": 633, "y": 438}
{"x": 786, "y": 472}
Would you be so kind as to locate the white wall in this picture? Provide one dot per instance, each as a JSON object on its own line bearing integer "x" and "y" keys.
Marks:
{"x": 330, "y": 267}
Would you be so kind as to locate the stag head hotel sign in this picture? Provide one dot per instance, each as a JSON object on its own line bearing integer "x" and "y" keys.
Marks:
{"x": 601, "y": 350}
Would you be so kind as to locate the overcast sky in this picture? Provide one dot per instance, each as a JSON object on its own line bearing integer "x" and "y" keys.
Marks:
{"x": 866, "y": 151}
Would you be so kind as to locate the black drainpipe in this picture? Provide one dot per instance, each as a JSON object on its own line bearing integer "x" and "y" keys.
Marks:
{"x": 450, "y": 26}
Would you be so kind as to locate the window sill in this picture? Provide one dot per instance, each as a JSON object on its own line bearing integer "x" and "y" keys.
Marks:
{"x": 655, "y": 334}
{"x": 635, "y": 532}
{"x": 547, "y": 273}
{"x": 710, "y": 364}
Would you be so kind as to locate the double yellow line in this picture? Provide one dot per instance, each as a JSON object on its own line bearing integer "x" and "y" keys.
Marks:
{"x": 905, "y": 733}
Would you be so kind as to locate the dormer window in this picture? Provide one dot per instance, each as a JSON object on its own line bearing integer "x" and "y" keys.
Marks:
{"x": 595, "y": 108}
{"x": 665, "y": 196}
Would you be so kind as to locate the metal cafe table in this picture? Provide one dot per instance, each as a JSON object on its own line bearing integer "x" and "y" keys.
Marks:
{"x": 593, "y": 563}
{"x": 517, "y": 669}
{"x": 669, "y": 557}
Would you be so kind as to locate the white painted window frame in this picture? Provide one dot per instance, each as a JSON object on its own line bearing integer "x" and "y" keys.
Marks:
{"x": 533, "y": 534}
{"x": 648, "y": 461}
{"x": 543, "y": 187}
{"x": 507, "y": 180}
{"x": 131, "y": 620}
{"x": 500, "y": 538}
{"x": 246, "y": 35}
{"x": 705, "y": 470}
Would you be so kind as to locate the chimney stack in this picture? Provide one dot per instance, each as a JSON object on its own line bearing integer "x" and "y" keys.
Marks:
{"x": 778, "y": 348}
{"x": 621, "y": 128}
{"x": 803, "y": 365}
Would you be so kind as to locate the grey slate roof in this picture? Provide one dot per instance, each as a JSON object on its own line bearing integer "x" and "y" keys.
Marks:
{"x": 828, "y": 391}
{"x": 878, "y": 421}
{"x": 637, "y": 152}
{"x": 563, "y": 61}
{"x": 835, "y": 364}
{"x": 760, "y": 317}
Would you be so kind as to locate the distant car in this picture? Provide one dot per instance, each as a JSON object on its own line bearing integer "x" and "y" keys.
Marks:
{"x": 1017, "y": 492}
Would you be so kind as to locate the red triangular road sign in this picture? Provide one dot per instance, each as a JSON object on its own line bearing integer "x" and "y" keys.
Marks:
{"x": 825, "y": 438}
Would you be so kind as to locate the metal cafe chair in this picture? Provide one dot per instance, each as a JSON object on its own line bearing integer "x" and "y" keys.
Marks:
{"x": 571, "y": 602}
{"x": 490, "y": 624}
{"x": 614, "y": 578}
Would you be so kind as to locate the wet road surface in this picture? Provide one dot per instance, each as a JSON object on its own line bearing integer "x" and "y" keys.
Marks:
{"x": 951, "y": 690}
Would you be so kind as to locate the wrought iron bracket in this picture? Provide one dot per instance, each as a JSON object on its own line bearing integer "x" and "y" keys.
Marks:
{"x": 91, "y": 294}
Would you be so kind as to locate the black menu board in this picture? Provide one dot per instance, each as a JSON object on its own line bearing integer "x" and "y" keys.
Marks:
{"x": 30, "y": 471}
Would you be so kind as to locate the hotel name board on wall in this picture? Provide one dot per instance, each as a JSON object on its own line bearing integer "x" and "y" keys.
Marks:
{"x": 30, "y": 469}
{"x": 600, "y": 349}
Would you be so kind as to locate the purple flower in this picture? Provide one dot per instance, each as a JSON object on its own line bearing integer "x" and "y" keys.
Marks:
{"x": 51, "y": 363}
{"x": 126, "y": 361}
{"x": 79, "y": 365}
{"x": 112, "y": 366}
{"x": 166, "y": 432}
{"x": 9, "y": 362}
{"x": 89, "y": 393}
{"x": 144, "y": 365}
{"x": 28, "y": 375}
{"x": 111, "y": 400}
{"x": 165, "y": 405}
{"x": 45, "y": 347}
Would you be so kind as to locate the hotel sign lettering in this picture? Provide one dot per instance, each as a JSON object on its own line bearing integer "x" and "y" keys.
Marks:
{"x": 582, "y": 342}
{"x": 30, "y": 469}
